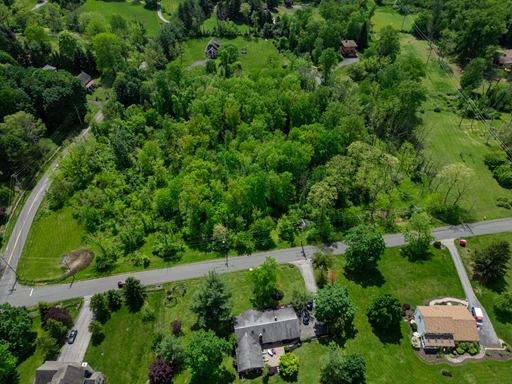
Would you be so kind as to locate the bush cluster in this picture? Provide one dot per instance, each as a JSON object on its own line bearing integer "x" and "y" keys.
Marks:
{"x": 405, "y": 308}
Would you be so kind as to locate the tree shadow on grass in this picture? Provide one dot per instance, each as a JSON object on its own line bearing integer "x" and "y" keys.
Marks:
{"x": 290, "y": 379}
{"x": 504, "y": 317}
{"x": 390, "y": 335}
{"x": 371, "y": 278}
{"x": 349, "y": 333}
{"x": 221, "y": 376}
{"x": 497, "y": 285}
{"x": 97, "y": 339}
{"x": 414, "y": 257}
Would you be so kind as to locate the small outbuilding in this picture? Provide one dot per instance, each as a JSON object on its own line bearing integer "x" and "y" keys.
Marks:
{"x": 505, "y": 60}
{"x": 348, "y": 48}
{"x": 48, "y": 67}
{"x": 86, "y": 80}
{"x": 212, "y": 49}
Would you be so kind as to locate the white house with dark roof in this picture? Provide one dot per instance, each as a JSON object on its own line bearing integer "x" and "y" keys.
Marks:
{"x": 211, "y": 49}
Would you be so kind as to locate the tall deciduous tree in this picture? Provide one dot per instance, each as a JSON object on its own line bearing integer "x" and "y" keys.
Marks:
{"x": 389, "y": 43}
{"x": 107, "y": 49}
{"x": 333, "y": 302}
{"x": 15, "y": 328}
{"x": 492, "y": 262}
{"x": 418, "y": 233}
{"x": 68, "y": 44}
{"x": 212, "y": 302}
{"x": 100, "y": 307}
{"x": 473, "y": 75}
{"x": 385, "y": 311}
{"x": 205, "y": 353}
{"x": 365, "y": 247}
{"x": 134, "y": 294}
{"x": 456, "y": 180}
{"x": 328, "y": 59}
{"x": 343, "y": 369}
{"x": 264, "y": 279}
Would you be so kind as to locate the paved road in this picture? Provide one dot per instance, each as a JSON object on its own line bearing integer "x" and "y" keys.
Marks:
{"x": 488, "y": 336}
{"x": 76, "y": 352}
{"x": 19, "y": 234}
{"x": 159, "y": 11}
{"x": 196, "y": 64}
{"x": 31, "y": 296}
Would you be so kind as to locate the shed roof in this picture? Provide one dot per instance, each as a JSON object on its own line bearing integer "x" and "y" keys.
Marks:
{"x": 273, "y": 325}
{"x": 446, "y": 319}
{"x": 349, "y": 44}
{"x": 49, "y": 67}
{"x": 249, "y": 355}
{"x": 214, "y": 43}
{"x": 84, "y": 78}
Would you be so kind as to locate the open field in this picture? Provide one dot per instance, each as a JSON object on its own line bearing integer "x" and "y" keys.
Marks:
{"x": 169, "y": 6}
{"x": 486, "y": 293}
{"x": 128, "y": 10}
{"x": 27, "y": 369}
{"x": 258, "y": 51}
{"x": 125, "y": 354}
{"x": 128, "y": 340}
{"x": 446, "y": 140}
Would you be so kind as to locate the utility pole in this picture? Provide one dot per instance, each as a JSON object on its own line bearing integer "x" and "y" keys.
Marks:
{"x": 76, "y": 109}
{"x": 302, "y": 227}
{"x": 227, "y": 248}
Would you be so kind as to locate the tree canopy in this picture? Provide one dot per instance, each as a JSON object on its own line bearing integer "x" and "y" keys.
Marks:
{"x": 365, "y": 247}
{"x": 212, "y": 302}
{"x": 343, "y": 369}
{"x": 15, "y": 329}
{"x": 134, "y": 294}
{"x": 418, "y": 233}
{"x": 333, "y": 302}
{"x": 264, "y": 279}
{"x": 385, "y": 311}
{"x": 205, "y": 353}
{"x": 492, "y": 261}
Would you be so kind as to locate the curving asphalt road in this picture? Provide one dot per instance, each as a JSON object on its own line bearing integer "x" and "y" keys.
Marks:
{"x": 8, "y": 283}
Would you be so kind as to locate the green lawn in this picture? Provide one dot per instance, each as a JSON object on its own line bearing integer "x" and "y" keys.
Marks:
{"x": 486, "y": 294}
{"x": 44, "y": 248}
{"x": 128, "y": 10}
{"x": 170, "y": 6}
{"x": 258, "y": 51}
{"x": 125, "y": 354}
{"x": 27, "y": 369}
{"x": 385, "y": 16}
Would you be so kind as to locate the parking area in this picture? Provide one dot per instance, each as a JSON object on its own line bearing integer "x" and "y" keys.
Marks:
{"x": 314, "y": 329}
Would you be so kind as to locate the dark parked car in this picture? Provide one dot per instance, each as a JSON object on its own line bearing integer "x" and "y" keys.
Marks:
{"x": 309, "y": 305}
{"x": 305, "y": 317}
{"x": 120, "y": 284}
{"x": 72, "y": 336}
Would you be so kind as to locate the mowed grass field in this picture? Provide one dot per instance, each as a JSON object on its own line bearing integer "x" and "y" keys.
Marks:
{"x": 502, "y": 323}
{"x": 126, "y": 353}
{"x": 128, "y": 10}
{"x": 258, "y": 51}
{"x": 445, "y": 139}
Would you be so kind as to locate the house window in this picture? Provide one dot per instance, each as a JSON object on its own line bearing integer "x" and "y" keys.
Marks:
{"x": 442, "y": 340}
{"x": 436, "y": 339}
{"x": 264, "y": 330}
{"x": 429, "y": 339}
{"x": 252, "y": 332}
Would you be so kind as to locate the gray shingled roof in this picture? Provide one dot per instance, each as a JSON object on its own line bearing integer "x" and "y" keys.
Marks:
{"x": 84, "y": 78}
{"x": 249, "y": 355}
{"x": 68, "y": 375}
{"x": 273, "y": 325}
{"x": 56, "y": 372}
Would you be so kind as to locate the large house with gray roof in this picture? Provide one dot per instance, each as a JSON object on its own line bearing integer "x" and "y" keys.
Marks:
{"x": 262, "y": 326}
{"x": 56, "y": 372}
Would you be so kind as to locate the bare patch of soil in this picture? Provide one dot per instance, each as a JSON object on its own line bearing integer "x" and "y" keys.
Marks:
{"x": 77, "y": 260}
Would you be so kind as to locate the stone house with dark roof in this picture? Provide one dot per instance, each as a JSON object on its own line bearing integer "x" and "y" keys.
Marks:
{"x": 212, "y": 49}
{"x": 348, "y": 48}
{"x": 442, "y": 325}
{"x": 505, "y": 60}
{"x": 55, "y": 372}
{"x": 262, "y": 326}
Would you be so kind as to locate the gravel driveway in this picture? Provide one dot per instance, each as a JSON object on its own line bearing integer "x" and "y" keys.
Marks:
{"x": 74, "y": 353}
{"x": 488, "y": 337}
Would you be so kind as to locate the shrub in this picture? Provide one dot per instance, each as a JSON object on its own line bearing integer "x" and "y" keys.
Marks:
{"x": 437, "y": 109}
{"x": 460, "y": 351}
{"x": 176, "y": 327}
{"x": 159, "y": 372}
{"x": 265, "y": 371}
{"x": 451, "y": 355}
{"x": 473, "y": 351}
{"x": 278, "y": 295}
{"x": 503, "y": 175}
{"x": 43, "y": 308}
{"x": 504, "y": 202}
{"x": 148, "y": 313}
{"x": 59, "y": 314}
{"x": 287, "y": 348}
{"x": 495, "y": 159}
{"x": 414, "y": 327}
{"x": 289, "y": 364}
{"x": 446, "y": 373}
{"x": 437, "y": 244}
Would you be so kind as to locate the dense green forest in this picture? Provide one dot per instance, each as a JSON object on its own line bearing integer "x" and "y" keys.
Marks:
{"x": 226, "y": 155}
